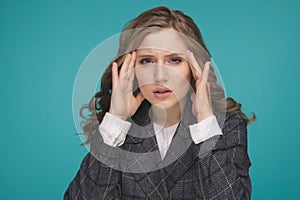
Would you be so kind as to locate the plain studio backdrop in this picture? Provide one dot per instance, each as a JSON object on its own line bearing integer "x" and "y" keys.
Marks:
{"x": 255, "y": 45}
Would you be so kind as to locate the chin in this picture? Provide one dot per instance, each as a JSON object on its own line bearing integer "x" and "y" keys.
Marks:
{"x": 166, "y": 105}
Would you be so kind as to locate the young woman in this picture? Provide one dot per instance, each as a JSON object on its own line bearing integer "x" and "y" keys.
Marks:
{"x": 155, "y": 125}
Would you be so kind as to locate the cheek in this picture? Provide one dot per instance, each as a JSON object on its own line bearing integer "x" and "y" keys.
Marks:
{"x": 185, "y": 74}
{"x": 143, "y": 82}
{"x": 184, "y": 81}
{"x": 188, "y": 73}
{"x": 146, "y": 91}
{"x": 140, "y": 76}
{"x": 188, "y": 76}
{"x": 143, "y": 76}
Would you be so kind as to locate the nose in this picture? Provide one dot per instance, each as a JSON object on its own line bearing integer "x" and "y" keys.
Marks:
{"x": 160, "y": 73}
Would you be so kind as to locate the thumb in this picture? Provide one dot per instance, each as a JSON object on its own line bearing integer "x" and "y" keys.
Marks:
{"x": 139, "y": 98}
{"x": 193, "y": 97}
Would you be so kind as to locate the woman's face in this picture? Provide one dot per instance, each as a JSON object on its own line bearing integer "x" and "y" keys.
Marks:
{"x": 161, "y": 69}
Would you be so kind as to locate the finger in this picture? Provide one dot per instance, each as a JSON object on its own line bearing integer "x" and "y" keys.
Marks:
{"x": 195, "y": 68}
{"x": 131, "y": 67}
{"x": 193, "y": 99}
{"x": 125, "y": 65}
{"x": 114, "y": 74}
{"x": 208, "y": 86}
{"x": 190, "y": 65}
{"x": 206, "y": 71}
{"x": 209, "y": 93}
{"x": 132, "y": 60}
{"x": 137, "y": 102}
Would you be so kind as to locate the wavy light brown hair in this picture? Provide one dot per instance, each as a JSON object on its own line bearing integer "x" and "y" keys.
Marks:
{"x": 156, "y": 18}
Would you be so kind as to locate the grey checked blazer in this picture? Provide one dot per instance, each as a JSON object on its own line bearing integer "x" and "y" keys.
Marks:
{"x": 220, "y": 173}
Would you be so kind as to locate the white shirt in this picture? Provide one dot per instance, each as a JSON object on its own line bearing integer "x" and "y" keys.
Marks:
{"x": 164, "y": 137}
{"x": 114, "y": 131}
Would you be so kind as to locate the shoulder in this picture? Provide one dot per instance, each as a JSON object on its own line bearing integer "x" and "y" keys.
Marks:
{"x": 232, "y": 120}
{"x": 234, "y": 131}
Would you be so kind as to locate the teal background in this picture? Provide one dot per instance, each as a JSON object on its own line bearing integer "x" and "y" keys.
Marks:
{"x": 43, "y": 43}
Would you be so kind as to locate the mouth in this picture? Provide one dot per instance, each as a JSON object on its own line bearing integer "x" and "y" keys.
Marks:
{"x": 162, "y": 92}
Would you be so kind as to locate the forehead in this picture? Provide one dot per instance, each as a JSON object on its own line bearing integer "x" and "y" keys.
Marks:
{"x": 166, "y": 40}
{"x": 157, "y": 52}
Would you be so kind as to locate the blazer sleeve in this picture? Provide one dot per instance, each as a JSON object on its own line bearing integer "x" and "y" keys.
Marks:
{"x": 94, "y": 180}
{"x": 225, "y": 169}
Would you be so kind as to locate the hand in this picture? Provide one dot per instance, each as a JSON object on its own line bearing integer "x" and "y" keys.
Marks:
{"x": 123, "y": 103}
{"x": 202, "y": 105}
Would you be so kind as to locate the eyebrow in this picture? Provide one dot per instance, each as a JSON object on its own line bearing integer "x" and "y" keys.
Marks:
{"x": 167, "y": 55}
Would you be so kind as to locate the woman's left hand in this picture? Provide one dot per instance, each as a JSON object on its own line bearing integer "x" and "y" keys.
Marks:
{"x": 202, "y": 105}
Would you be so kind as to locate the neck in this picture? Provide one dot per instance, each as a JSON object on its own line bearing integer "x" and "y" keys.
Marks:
{"x": 167, "y": 117}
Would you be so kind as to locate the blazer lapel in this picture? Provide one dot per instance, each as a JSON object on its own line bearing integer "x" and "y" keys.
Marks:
{"x": 154, "y": 176}
{"x": 183, "y": 153}
{"x": 144, "y": 160}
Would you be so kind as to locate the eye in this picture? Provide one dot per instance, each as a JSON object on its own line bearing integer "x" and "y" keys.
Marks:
{"x": 146, "y": 61}
{"x": 175, "y": 60}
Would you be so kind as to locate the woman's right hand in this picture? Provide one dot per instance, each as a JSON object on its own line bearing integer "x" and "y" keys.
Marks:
{"x": 123, "y": 103}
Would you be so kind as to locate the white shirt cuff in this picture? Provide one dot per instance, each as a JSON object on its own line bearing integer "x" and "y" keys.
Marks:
{"x": 113, "y": 129}
{"x": 205, "y": 129}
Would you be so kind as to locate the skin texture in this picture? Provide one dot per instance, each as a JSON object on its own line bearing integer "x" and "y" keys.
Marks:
{"x": 161, "y": 61}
